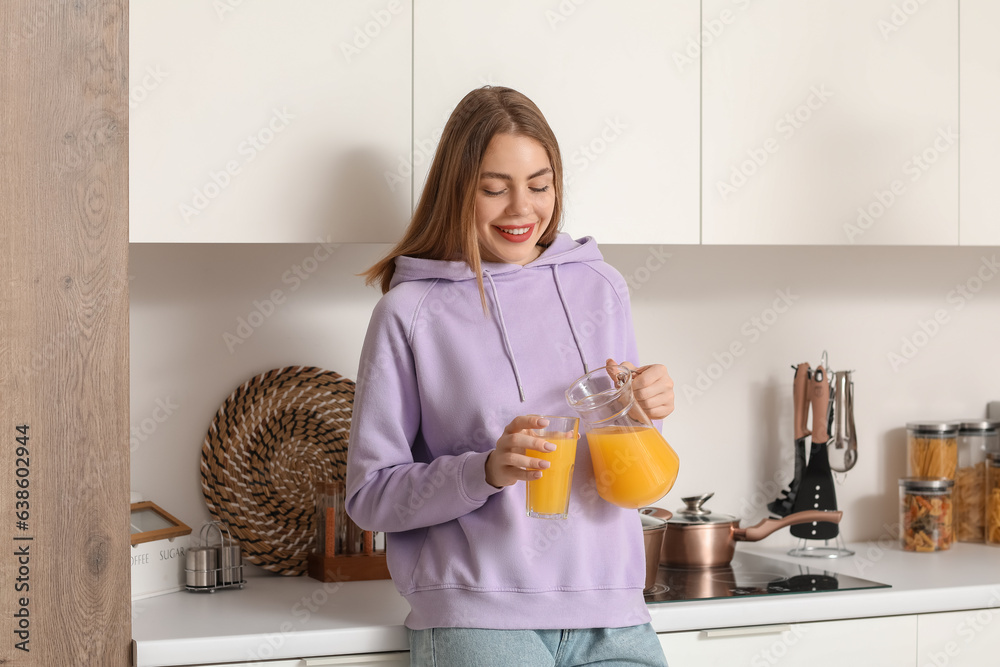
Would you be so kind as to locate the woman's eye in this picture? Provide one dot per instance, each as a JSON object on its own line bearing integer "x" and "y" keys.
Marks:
{"x": 545, "y": 189}
{"x": 491, "y": 193}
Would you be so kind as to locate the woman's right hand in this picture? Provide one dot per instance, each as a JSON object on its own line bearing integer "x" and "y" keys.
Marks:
{"x": 509, "y": 462}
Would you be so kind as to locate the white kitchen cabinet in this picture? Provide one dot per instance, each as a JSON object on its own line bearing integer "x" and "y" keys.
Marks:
{"x": 626, "y": 114}
{"x": 830, "y": 122}
{"x": 980, "y": 109}
{"x": 886, "y": 642}
{"x": 395, "y": 659}
{"x": 269, "y": 121}
{"x": 959, "y": 638}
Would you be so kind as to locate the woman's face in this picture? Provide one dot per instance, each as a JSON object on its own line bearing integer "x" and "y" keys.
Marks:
{"x": 514, "y": 200}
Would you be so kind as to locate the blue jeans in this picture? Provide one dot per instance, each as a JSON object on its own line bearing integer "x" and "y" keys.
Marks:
{"x": 635, "y": 646}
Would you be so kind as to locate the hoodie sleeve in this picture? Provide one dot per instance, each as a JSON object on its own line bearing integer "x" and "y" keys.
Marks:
{"x": 387, "y": 490}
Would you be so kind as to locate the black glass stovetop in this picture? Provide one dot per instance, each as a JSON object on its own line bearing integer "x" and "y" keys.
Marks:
{"x": 751, "y": 575}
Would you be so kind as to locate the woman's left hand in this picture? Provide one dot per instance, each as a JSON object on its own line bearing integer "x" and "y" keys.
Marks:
{"x": 652, "y": 387}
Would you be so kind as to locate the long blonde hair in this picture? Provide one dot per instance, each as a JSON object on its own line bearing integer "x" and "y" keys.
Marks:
{"x": 444, "y": 223}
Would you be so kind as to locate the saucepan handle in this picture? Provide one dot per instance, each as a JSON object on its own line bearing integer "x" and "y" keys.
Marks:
{"x": 768, "y": 526}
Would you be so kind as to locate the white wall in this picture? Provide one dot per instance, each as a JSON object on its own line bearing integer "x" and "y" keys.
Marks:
{"x": 733, "y": 438}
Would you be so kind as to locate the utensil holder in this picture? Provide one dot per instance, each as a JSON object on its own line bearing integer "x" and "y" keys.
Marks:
{"x": 214, "y": 566}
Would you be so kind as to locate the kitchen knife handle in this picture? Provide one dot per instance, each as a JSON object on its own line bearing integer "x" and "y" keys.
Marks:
{"x": 819, "y": 398}
{"x": 800, "y": 399}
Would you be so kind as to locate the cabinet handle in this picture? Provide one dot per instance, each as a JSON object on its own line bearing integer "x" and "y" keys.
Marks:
{"x": 751, "y": 630}
{"x": 351, "y": 660}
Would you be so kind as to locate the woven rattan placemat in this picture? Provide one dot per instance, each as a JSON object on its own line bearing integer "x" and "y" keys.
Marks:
{"x": 272, "y": 443}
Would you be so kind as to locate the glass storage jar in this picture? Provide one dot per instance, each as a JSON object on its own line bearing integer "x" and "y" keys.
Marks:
{"x": 992, "y": 494}
{"x": 976, "y": 437}
{"x": 925, "y": 513}
{"x": 932, "y": 449}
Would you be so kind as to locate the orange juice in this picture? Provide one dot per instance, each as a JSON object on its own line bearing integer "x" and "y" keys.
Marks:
{"x": 633, "y": 465}
{"x": 548, "y": 497}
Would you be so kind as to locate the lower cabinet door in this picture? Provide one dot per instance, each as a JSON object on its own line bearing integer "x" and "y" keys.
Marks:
{"x": 959, "y": 638}
{"x": 886, "y": 642}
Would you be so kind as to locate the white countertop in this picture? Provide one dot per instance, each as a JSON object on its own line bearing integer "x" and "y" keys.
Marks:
{"x": 293, "y": 617}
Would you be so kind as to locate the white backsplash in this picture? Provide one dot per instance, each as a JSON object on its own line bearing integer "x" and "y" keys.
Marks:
{"x": 728, "y": 322}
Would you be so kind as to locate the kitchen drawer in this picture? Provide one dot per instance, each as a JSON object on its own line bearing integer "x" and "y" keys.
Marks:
{"x": 959, "y": 638}
{"x": 886, "y": 642}
{"x": 395, "y": 659}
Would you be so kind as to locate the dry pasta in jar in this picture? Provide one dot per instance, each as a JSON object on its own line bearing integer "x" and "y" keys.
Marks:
{"x": 992, "y": 498}
{"x": 925, "y": 513}
{"x": 976, "y": 437}
{"x": 932, "y": 449}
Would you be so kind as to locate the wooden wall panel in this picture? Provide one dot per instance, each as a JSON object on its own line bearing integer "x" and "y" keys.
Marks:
{"x": 64, "y": 332}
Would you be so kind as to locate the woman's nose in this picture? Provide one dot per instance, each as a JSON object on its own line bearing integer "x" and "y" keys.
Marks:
{"x": 519, "y": 202}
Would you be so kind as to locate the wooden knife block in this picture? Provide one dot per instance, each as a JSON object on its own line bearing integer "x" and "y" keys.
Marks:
{"x": 349, "y": 567}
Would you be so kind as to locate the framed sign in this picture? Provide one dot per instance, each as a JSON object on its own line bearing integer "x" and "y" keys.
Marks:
{"x": 150, "y": 522}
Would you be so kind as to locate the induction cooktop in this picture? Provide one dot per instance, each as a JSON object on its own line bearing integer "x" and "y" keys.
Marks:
{"x": 750, "y": 575}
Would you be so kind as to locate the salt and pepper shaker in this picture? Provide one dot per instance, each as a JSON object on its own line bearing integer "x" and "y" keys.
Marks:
{"x": 211, "y": 567}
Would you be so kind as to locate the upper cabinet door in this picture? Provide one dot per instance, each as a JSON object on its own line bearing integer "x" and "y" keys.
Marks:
{"x": 269, "y": 121}
{"x": 980, "y": 95}
{"x": 830, "y": 122}
{"x": 624, "y": 109}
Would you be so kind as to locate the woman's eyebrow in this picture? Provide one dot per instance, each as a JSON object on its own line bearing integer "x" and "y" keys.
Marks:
{"x": 508, "y": 177}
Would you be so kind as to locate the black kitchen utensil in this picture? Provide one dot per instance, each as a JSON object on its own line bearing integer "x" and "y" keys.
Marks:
{"x": 816, "y": 491}
{"x": 782, "y": 506}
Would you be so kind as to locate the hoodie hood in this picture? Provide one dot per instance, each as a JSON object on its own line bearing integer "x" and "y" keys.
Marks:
{"x": 563, "y": 250}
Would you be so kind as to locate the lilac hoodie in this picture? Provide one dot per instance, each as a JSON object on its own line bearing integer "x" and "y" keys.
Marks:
{"x": 438, "y": 382}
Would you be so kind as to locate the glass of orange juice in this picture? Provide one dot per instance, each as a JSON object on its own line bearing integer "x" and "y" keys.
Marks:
{"x": 548, "y": 497}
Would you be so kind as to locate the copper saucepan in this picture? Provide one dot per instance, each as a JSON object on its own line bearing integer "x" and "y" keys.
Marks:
{"x": 654, "y": 525}
{"x": 696, "y": 537}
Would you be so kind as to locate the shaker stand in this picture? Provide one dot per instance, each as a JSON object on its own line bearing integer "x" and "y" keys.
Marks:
{"x": 825, "y": 550}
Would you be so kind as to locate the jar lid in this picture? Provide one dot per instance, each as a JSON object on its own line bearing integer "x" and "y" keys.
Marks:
{"x": 984, "y": 426}
{"x": 934, "y": 427}
{"x": 695, "y": 514}
{"x": 926, "y": 483}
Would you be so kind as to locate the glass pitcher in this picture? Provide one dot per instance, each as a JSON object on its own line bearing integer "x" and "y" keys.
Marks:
{"x": 633, "y": 464}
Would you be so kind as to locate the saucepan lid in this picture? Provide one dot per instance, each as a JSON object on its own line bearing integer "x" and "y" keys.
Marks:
{"x": 654, "y": 518}
{"x": 694, "y": 513}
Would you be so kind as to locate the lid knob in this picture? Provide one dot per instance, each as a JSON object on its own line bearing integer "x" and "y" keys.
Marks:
{"x": 693, "y": 505}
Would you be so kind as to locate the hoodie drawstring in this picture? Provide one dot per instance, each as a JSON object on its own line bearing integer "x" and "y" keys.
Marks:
{"x": 503, "y": 332}
{"x": 506, "y": 340}
{"x": 569, "y": 316}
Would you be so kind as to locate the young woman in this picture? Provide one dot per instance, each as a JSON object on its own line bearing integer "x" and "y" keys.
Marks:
{"x": 488, "y": 315}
